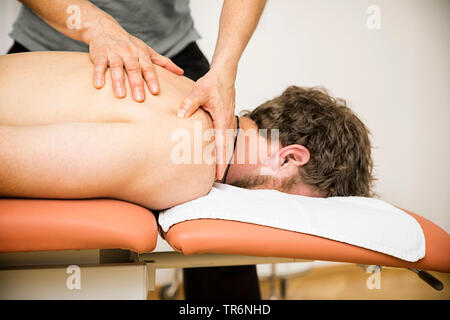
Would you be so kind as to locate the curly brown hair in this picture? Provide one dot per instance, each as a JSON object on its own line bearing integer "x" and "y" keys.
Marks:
{"x": 340, "y": 151}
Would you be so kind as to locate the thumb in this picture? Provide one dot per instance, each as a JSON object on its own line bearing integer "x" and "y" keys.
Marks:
{"x": 190, "y": 104}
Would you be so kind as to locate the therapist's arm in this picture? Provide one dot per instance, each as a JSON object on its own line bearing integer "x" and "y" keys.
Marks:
{"x": 109, "y": 45}
{"x": 215, "y": 92}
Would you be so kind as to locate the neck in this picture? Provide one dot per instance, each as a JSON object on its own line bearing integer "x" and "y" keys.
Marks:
{"x": 248, "y": 133}
{"x": 236, "y": 135}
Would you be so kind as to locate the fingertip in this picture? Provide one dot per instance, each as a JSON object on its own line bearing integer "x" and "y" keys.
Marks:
{"x": 154, "y": 88}
{"x": 120, "y": 92}
{"x": 139, "y": 96}
{"x": 186, "y": 108}
{"x": 174, "y": 68}
{"x": 180, "y": 71}
{"x": 181, "y": 113}
{"x": 186, "y": 104}
{"x": 98, "y": 83}
{"x": 220, "y": 173}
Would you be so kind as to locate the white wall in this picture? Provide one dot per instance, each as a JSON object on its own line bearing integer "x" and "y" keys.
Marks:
{"x": 395, "y": 78}
{"x": 8, "y": 13}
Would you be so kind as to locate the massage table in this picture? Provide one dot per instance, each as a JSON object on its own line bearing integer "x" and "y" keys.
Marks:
{"x": 105, "y": 249}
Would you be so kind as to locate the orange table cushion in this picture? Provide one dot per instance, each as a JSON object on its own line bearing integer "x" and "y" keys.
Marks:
{"x": 231, "y": 237}
{"x": 40, "y": 225}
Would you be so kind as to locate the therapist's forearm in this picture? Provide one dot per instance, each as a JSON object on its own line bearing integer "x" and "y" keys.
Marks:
{"x": 237, "y": 24}
{"x": 63, "y": 16}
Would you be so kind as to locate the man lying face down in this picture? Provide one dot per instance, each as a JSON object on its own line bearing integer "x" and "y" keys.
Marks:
{"x": 61, "y": 138}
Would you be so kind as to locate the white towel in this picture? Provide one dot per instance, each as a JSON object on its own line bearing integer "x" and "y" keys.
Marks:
{"x": 364, "y": 222}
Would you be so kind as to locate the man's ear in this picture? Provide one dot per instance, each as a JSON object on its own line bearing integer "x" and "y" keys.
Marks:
{"x": 293, "y": 155}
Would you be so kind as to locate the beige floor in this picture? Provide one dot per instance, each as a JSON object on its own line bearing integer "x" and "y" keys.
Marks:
{"x": 349, "y": 282}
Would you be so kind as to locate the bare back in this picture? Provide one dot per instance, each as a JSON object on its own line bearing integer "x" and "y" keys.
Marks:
{"x": 62, "y": 138}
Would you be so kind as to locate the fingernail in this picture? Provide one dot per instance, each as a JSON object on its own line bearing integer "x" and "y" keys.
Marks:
{"x": 98, "y": 83}
{"x": 139, "y": 95}
{"x": 119, "y": 92}
{"x": 181, "y": 113}
{"x": 154, "y": 88}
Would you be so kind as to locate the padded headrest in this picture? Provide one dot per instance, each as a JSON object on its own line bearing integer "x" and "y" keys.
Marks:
{"x": 230, "y": 237}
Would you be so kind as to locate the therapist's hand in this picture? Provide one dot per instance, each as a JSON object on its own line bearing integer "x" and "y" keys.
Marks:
{"x": 215, "y": 93}
{"x": 111, "y": 46}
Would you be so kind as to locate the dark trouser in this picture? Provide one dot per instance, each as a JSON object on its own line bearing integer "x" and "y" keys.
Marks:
{"x": 211, "y": 283}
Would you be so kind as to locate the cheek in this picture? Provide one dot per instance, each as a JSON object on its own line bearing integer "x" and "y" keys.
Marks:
{"x": 246, "y": 169}
{"x": 241, "y": 171}
{"x": 257, "y": 152}
{"x": 267, "y": 151}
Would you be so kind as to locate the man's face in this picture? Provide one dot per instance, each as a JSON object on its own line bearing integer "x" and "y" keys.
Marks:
{"x": 255, "y": 160}
{"x": 256, "y": 163}
{"x": 261, "y": 163}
